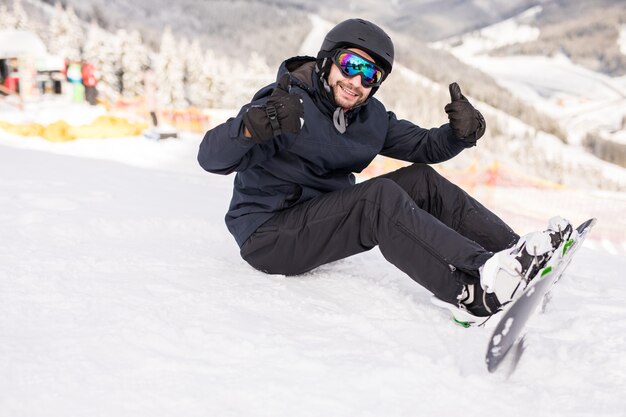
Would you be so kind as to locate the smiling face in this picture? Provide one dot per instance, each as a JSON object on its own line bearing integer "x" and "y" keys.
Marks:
{"x": 348, "y": 92}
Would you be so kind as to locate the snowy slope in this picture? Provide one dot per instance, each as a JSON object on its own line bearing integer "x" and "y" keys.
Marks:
{"x": 122, "y": 293}
{"x": 581, "y": 99}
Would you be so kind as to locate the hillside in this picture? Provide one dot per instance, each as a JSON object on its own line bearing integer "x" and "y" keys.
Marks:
{"x": 589, "y": 106}
{"x": 586, "y": 31}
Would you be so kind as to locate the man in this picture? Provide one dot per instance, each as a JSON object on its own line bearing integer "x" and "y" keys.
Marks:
{"x": 296, "y": 206}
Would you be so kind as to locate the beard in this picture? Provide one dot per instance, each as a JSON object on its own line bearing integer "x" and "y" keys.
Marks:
{"x": 345, "y": 99}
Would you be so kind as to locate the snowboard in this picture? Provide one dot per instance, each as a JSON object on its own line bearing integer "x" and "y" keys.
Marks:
{"x": 507, "y": 336}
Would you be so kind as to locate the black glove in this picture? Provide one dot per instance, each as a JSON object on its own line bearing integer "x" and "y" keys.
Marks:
{"x": 283, "y": 112}
{"x": 465, "y": 121}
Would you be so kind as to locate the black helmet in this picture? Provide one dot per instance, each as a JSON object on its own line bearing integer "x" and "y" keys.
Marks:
{"x": 359, "y": 33}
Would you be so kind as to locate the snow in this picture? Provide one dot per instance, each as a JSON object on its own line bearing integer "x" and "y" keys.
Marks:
{"x": 574, "y": 158}
{"x": 506, "y": 32}
{"x": 311, "y": 44}
{"x": 570, "y": 93}
{"x": 581, "y": 99}
{"x": 619, "y": 136}
{"x": 122, "y": 293}
{"x": 621, "y": 40}
{"x": 20, "y": 43}
{"x": 49, "y": 110}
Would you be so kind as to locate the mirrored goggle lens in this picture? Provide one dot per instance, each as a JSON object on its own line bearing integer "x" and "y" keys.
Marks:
{"x": 352, "y": 64}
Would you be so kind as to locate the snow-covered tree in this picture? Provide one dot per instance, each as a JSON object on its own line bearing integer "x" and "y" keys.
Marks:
{"x": 120, "y": 60}
{"x": 20, "y": 16}
{"x": 198, "y": 77}
{"x": 15, "y": 18}
{"x": 102, "y": 50}
{"x": 6, "y": 18}
{"x": 249, "y": 76}
{"x": 95, "y": 41}
{"x": 170, "y": 72}
{"x": 216, "y": 71}
{"x": 66, "y": 34}
{"x": 134, "y": 61}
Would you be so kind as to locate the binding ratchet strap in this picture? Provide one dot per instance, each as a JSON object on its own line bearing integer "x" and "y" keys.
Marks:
{"x": 272, "y": 114}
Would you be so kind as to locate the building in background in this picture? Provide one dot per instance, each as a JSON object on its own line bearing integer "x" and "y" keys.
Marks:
{"x": 26, "y": 68}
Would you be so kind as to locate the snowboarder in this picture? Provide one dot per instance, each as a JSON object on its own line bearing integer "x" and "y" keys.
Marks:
{"x": 296, "y": 206}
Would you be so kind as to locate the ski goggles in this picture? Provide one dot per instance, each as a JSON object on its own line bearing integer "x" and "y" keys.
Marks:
{"x": 351, "y": 64}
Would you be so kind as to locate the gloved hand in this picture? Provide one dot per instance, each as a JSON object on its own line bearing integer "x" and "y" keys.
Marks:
{"x": 465, "y": 121}
{"x": 283, "y": 112}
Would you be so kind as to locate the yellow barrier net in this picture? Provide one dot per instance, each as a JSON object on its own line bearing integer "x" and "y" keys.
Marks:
{"x": 60, "y": 131}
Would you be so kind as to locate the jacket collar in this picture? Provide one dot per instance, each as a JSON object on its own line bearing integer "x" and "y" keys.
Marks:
{"x": 304, "y": 73}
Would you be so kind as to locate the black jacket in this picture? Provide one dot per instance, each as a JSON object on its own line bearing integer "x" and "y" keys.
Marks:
{"x": 294, "y": 168}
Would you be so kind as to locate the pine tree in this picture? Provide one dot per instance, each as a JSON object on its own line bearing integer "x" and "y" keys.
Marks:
{"x": 56, "y": 30}
{"x": 65, "y": 34}
{"x": 101, "y": 49}
{"x": 250, "y": 75}
{"x": 20, "y": 16}
{"x": 216, "y": 71}
{"x": 198, "y": 78}
{"x": 7, "y": 20}
{"x": 134, "y": 61}
{"x": 223, "y": 91}
{"x": 75, "y": 35}
{"x": 94, "y": 42}
{"x": 170, "y": 72}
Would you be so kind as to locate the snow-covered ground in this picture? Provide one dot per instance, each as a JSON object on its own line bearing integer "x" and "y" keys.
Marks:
{"x": 311, "y": 44}
{"x": 122, "y": 294}
{"x": 621, "y": 40}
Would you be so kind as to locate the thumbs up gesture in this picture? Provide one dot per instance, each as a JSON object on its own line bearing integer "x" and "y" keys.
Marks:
{"x": 466, "y": 122}
{"x": 282, "y": 113}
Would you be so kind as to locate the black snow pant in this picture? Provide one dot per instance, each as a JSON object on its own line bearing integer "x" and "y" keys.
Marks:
{"x": 422, "y": 223}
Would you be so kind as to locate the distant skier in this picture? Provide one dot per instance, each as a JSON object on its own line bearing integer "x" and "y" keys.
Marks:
{"x": 295, "y": 203}
{"x": 75, "y": 77}
{"x": 90, "y": 81}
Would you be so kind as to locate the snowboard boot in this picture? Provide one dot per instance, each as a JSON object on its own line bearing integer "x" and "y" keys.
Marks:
{"x": 478, "y": 302}
{"x": 505, "y": 275}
